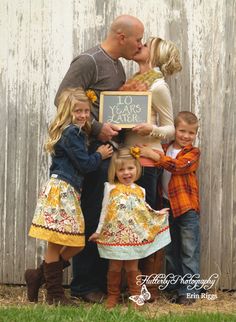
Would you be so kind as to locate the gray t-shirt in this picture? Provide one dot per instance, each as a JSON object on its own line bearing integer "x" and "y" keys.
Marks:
{"x": 94, "y": 69}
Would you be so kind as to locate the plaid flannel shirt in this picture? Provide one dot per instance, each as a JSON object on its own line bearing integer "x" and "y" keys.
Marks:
{"x": 183, "y": 191}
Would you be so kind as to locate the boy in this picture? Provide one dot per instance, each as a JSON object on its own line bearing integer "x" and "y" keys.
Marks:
{"x": 181, "y": 194}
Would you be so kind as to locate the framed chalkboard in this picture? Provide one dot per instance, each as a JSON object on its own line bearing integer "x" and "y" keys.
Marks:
{"x": 125, "y": 109}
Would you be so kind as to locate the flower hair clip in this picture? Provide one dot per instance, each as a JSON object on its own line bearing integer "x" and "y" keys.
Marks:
{"x": 135, "y": 152}
{"x": 91, "y": 95}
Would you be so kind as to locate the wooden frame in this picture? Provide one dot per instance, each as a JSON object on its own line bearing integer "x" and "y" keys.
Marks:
{"x": 125, "y": 109}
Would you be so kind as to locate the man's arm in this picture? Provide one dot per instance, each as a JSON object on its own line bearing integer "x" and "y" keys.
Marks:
{"x": 83, "y": 73}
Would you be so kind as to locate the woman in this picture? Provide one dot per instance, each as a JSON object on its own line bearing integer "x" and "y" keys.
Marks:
{"x": 157, "y": 59}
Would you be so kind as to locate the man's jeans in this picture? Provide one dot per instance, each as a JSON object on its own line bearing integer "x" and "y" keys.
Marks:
{"x": 183, "y": 253}
{"x": 149, "y": 181}
{"x": 89, "y": 270}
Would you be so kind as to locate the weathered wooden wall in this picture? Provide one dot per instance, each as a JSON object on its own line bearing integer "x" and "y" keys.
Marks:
{"x": 38, "y": 41}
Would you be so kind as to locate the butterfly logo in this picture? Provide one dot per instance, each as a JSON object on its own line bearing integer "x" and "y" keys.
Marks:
{"x": 144, "y": 296}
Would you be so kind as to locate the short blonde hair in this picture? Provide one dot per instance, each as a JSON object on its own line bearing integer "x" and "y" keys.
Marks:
{"x": 187, "y": 117}
{"x": 165, "y": 55}
{"x": 119, "y": 157}
{"x": 64, "y": 117}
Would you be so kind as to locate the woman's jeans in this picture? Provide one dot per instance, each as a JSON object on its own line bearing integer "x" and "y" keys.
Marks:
{"x": 183, "y": 253}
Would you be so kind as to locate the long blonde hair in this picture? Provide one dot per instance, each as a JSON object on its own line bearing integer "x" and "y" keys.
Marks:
{"x": 66, "y": 105}
{"x": 119, "y": 157}
{"x": 165, "y": 55}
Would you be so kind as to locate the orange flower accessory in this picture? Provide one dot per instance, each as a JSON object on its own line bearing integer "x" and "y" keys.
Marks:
{"x": 135, "y": 152}
{"x": 91, "y": 95}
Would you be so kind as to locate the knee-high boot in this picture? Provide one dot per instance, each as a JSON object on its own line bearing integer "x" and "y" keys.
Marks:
{"x": 53, "y": 273}
{"x": 113, "y": 289}
{"x": 133, "y": 287}
{"x": 153, "y": 264}
{"x": 34, "y": 279}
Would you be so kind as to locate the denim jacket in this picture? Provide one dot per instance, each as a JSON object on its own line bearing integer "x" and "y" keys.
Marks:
{"x": 71, "y": 160}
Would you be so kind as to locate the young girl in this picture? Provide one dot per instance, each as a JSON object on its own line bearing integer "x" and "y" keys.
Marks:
{"x": 128, "y": 228}
{"x": 58, "y": 217}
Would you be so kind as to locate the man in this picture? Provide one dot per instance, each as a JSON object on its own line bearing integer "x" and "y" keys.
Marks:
{"x": 99, "y": 69}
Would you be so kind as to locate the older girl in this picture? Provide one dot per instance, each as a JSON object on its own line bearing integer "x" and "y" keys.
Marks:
{"x": 58, "y": 218}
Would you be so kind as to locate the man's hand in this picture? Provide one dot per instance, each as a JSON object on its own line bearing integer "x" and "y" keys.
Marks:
{"x": 108, "y": 131}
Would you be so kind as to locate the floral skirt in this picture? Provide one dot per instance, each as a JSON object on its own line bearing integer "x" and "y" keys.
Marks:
{"x": 58, "y": 217}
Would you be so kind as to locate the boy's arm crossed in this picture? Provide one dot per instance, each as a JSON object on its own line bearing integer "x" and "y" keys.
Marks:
{"x": 186, "y": 163}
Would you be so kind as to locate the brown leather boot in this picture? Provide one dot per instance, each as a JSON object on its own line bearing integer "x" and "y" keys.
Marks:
{"x": 133, "y": 288}
{"x": 113, "y": 289}
{"x": 34, "y": 279}
{"x": 53, "y": 273}
{"x": 153, "y": 264}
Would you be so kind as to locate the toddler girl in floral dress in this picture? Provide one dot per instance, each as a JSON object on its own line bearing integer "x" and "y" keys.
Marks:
{"x": 129, "y": 229}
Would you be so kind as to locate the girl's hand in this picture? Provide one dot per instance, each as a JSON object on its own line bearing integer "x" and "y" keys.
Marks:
{"x": 163, "y": 211}
{"x": 142, "y": 129}
{"x": 93, "y": 237}
{"x": 105, "y": 151}
{"x": 147, "y": 152}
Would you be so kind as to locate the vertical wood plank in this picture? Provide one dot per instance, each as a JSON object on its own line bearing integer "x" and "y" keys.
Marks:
{"x": 228, "y": 254}
{"x": 3, "y": 134}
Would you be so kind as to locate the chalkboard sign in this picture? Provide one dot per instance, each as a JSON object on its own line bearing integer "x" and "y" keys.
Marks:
{"x": 126, "y": 109}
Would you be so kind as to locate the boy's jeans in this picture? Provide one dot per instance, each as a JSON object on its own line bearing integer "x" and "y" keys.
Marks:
{"x": 183, "y": 253}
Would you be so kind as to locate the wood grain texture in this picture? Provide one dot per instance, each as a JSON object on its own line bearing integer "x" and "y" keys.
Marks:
{"x": 42, "y": 37}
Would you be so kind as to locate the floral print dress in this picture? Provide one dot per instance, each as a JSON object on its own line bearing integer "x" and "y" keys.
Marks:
{"x": 58, "y": 217}
{"x": 129, "y": 228}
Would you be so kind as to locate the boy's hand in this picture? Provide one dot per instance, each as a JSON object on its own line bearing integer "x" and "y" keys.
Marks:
{"x": 147, "y": 152}
{"x": 105, "y": 151}
{"x": 93, "y": 237}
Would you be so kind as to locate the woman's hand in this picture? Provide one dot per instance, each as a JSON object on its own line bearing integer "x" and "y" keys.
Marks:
{"x": 142, "y": 129}
{"x": 93, "y": 237}
{"x": 105, "y": 151}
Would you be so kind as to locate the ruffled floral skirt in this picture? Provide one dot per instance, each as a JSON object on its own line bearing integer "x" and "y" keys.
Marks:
{"x": 131, "y": 228}
{"x": 58, "y": 217}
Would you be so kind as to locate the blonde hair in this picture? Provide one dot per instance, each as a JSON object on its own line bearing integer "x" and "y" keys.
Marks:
{"x": 119, "y": 158}
{"x": 165, "y": 55}
{"x": 66, "y": 105}
{"x": 187, "y": 117}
